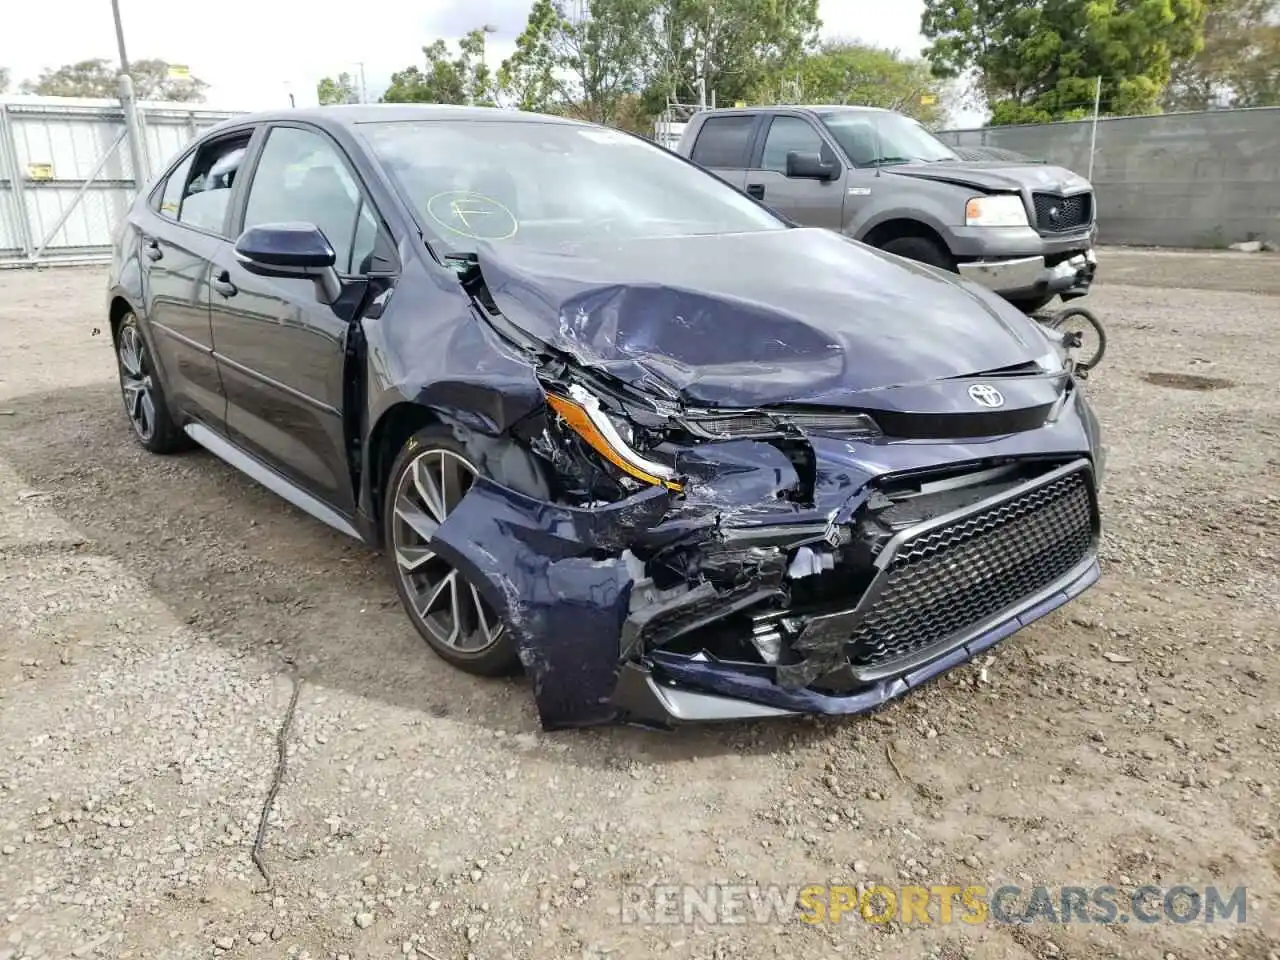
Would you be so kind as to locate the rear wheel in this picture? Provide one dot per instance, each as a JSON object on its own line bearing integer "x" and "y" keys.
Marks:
{"x": 143, "y": 396}
{"x": 429, "y": 478}
{"x": 922, "y": 249}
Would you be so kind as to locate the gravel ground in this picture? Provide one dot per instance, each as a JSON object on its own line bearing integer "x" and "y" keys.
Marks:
{"x": 156, "y": 609}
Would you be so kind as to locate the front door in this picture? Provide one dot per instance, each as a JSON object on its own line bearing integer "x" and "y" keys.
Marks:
{"x": 810, "y": 203}
{"x": 281, "y": 351}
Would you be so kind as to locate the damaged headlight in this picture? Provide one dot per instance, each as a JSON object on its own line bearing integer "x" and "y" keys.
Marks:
{"x": 761, "y": 425}
{"x": 582, "y": 413}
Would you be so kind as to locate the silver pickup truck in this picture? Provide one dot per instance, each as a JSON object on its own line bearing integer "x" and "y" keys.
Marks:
{"x": 1025, "y": 230}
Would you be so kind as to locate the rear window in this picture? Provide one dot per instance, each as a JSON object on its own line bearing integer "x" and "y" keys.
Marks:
{"x": 723, "y": 142}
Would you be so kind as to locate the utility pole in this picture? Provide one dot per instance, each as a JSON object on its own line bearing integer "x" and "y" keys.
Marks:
{"x": 1093, "y": 135}
{"x": 364, "y": 91}
{"x": 124, "y": 87}
{"x": 487, "y": 29}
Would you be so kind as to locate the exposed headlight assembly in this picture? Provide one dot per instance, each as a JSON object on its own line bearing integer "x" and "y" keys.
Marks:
{"x": 1003, "y": 210}
{"x": 781, "y": 422}
{"x": 582, "y": 413}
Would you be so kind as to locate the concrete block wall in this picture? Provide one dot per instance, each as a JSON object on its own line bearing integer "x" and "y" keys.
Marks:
{"x": 1174, "y": 180}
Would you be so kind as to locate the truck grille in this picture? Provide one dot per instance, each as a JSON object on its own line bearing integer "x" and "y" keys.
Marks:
{"x": 1059, "y": 214}
{"x": 950, "y": 579}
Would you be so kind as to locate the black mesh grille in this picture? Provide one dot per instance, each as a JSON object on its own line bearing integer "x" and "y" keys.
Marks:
{"x": 950, "y": 579}
{"x": 1057, "y": 214}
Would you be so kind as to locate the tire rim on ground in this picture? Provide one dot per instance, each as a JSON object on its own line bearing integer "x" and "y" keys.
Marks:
{"x": 450, "y": 609}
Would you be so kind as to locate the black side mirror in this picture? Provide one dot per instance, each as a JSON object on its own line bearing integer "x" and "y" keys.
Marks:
{"x": 291, "y": 250}
{"x": 809, "y": 166}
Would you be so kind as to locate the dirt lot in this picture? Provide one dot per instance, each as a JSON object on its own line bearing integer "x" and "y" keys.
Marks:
{"x": 150, "y": 606}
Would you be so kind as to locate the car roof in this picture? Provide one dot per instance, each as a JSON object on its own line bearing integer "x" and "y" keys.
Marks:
{"x": 349, "y": 115}
{"x": 802, "y": 108}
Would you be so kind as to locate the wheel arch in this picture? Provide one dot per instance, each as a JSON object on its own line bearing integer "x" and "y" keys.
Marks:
{"x": 118, "y": 306}
{"x": 388, "y": 434}
{"x": 496, "y": 453}
{"x": 897, "y": 228}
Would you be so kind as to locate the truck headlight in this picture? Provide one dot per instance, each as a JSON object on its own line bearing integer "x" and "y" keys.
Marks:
{"x": 997, "y": 211}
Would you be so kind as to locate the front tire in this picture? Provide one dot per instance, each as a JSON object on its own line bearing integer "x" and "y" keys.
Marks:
{"x": 1032, "y": 305}
{"x": 429, "y": 477}
{"x": 142, "y": 393}
{"x": 921, "y": 249}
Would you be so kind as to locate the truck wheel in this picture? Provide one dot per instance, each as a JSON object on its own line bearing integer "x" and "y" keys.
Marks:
{"x": 922, "y": 249}
{"x": 1033, "y": 304}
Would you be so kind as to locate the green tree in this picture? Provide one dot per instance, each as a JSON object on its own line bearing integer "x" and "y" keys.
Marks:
{"x": 1038, "y": 60}
{"x": 4, "y": 79}
{"x": 528, "y": 76}
{"x": 731, "y": 45}
{"x": 1239, "y": 64}
{"x": 152, "y": 80}
{"x": 854, "y": 73}
{"x": 340, "y": 89}
{"x": 581, "y": 57}
{"x": 462, "y": 78}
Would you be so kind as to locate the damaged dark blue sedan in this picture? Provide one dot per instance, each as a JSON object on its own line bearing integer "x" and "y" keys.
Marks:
{"x": 609, "y": 419}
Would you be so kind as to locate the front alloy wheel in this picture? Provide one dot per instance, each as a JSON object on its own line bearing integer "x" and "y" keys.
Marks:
{"x": 429, "y": 480}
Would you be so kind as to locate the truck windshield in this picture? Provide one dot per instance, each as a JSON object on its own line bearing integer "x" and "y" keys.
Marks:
{"x": 875, "y": 139}
{"x": 549, "y": 184}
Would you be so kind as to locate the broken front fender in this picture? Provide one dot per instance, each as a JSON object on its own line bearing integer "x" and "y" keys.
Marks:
{"x": 535, "y": 563}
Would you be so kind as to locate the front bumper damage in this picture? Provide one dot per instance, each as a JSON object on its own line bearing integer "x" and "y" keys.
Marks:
{"x": 911, "y": 586}
{"x": 1031, "y": 277}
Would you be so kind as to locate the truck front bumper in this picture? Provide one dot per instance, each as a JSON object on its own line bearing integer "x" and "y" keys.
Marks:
{"x": 1030, "y": 278}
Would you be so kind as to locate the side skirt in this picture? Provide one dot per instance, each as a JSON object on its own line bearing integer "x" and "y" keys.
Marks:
{"x": 224, "y": 449}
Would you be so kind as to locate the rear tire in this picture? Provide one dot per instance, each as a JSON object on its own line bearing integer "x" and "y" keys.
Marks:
{"x": 921, "y": 249}
{"x": 142, "y": 392}
{"x": 430, "y": 475}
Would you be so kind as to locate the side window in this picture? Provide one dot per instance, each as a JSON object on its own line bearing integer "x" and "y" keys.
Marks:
{"x": 789, "y": 135}
{"x": 365, "y": 241}
{"x": 208, "y": 191}
{"x": 723, "y": 142}
{"x": 301, "y": 177}
{"x": 175, "y": 188}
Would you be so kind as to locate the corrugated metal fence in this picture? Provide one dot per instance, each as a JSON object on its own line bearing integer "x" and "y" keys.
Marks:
{"x": 1173, "y": 180}
{"x": 65, "y": 174}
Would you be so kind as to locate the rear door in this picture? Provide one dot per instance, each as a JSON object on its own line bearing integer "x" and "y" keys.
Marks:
{"x": 723, "y": 145}
{"x": 280, "y": 350}
{"x": 180, "y": 239}
{"x": 810, "y": 203}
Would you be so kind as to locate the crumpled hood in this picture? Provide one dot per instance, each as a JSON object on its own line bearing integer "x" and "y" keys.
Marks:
{"x": 994, "y": 175}
{"x": 751, "y": 319}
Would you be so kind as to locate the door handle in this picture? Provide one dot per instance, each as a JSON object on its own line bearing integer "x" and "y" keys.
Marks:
{"x": 755, "y": 190}
{"x": 152, "y": 249}
{"x": 222, "y": 283}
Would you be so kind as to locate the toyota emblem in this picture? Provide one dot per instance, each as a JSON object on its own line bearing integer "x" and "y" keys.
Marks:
{"x": 986, "y": 396}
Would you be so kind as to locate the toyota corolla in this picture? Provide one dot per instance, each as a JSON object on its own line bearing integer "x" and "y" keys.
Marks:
{"x": 611, "y": 421}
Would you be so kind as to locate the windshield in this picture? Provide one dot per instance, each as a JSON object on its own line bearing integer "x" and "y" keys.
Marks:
{"x": 874, "y": 139}
{"x": 547, "y": 184}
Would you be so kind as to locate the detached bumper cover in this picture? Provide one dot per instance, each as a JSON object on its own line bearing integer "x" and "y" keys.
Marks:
{"x": 1031, "y": 276}
{"x": 579, "y": 604}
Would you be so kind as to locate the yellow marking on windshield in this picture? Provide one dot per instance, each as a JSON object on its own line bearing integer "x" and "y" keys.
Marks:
{"x": 472, "y": 215}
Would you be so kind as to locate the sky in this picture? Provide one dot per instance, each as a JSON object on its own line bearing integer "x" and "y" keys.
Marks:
{"x": 254, "y": 53}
